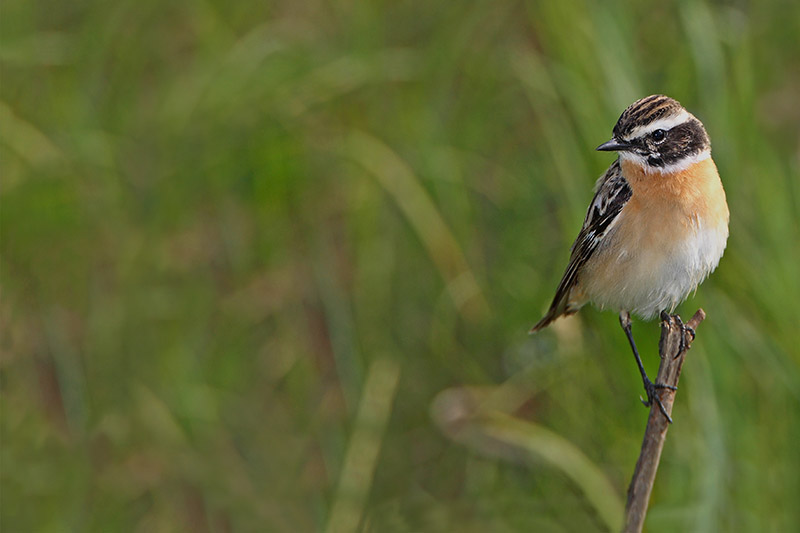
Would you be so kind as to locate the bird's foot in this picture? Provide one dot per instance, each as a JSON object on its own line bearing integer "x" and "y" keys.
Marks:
{"x": 682, "y": 345}
{"x": 685, "y": 329}
{"x": 651, "y": 389}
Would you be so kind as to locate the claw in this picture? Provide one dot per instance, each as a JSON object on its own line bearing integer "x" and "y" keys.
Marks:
{"x": 652, "y": 396}
{"x": 683, "y": 346}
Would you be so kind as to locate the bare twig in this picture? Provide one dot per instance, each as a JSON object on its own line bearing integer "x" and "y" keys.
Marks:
{"x": 657, "y": 424}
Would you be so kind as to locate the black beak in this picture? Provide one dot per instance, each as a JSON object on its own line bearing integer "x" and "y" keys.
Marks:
{"x": 614, "y": 146}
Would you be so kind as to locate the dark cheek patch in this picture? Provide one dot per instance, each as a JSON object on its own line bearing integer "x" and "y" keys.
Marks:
{"x": 684, "y": 140}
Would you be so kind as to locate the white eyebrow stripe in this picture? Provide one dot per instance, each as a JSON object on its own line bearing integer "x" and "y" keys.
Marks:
{"x": 660, "y": 124}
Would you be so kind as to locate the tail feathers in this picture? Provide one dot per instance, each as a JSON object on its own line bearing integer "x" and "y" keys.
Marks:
{"x": 544, "y": 322}
{"x": 555, "y": 311}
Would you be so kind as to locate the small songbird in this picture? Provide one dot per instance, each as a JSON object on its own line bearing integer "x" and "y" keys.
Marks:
{"x": 656, "y": 227}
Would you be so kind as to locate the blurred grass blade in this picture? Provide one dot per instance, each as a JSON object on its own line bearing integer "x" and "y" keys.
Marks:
{"x": 565, "y": 456}
{"x": 26, "y": 139}
{"x": 44, "y": 48}
{"x": 394, "y": 175}
{"x": 711, "y": 456}
{"x": 703, "y": 38}
{"x": 71, "y": 388}
{"x": 462, "y": 417}
{"x": 614, "y": 53}
{"x": 365, "y": 443}
{"x": 545, "y": 101}
{"x": 343, "y": 75}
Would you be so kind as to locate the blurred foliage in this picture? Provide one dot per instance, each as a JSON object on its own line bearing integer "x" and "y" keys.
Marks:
{"x": 246, "y": 245}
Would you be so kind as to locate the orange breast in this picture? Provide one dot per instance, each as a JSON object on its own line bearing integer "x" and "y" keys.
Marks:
{"x": 679, "y": 197}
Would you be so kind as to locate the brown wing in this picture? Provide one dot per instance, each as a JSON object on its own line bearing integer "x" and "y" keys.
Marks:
{"x": 612, "y": 192}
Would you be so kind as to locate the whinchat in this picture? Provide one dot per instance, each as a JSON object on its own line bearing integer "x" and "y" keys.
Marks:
{"x": 657, "y": 225}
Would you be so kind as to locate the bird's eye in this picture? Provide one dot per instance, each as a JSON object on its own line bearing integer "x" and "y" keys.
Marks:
{"x": 659, "y": 135}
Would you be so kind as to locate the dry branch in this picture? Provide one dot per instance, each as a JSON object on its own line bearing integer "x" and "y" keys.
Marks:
{"x": 669, "y": 372}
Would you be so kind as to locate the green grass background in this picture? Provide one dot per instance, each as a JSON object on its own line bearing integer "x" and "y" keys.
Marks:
{"x": 253, "y": 254}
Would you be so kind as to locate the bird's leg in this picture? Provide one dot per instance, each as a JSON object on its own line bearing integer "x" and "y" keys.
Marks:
{"x": 649, "y": 387}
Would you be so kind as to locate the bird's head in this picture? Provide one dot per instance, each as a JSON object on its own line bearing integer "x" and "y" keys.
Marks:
{"x": 659, "y": 134}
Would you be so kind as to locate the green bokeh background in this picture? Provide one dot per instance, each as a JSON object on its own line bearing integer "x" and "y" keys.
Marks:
{"x": 246, "y": 247}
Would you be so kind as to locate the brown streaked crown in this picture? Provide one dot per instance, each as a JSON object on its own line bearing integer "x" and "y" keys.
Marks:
{"x": 646, "y": 111}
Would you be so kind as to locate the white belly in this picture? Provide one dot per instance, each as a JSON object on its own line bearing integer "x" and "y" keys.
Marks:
{"x": 645, "y": 274}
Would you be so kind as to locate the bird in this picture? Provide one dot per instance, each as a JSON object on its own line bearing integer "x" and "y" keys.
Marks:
{"x": 656, "y": 227}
